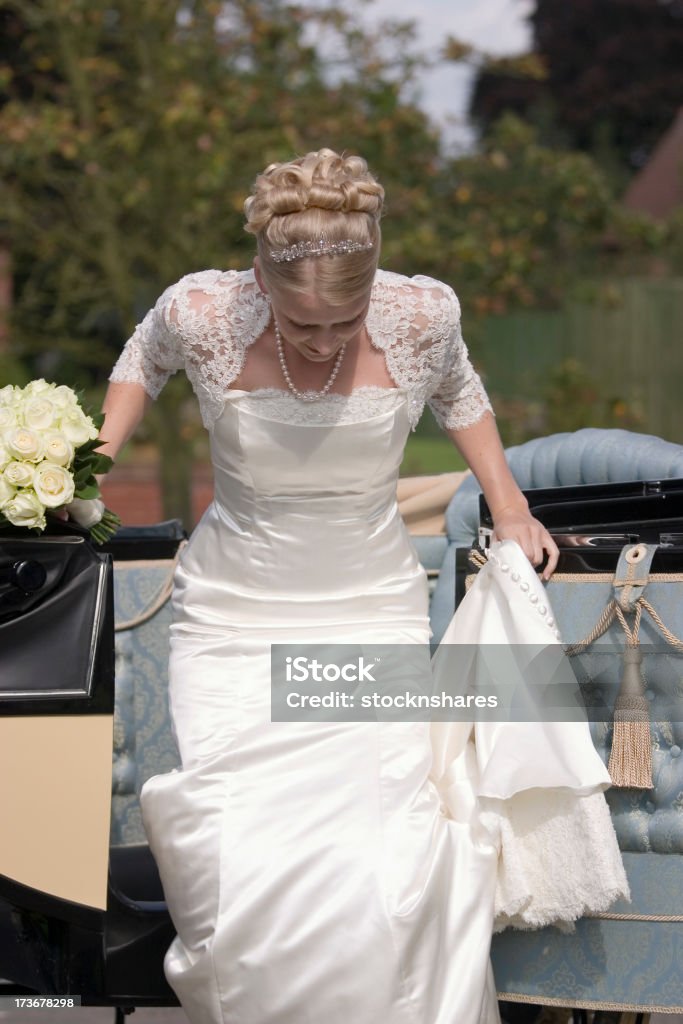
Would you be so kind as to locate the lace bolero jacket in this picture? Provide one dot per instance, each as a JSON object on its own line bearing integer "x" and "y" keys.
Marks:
{"x": 205, "y": 322}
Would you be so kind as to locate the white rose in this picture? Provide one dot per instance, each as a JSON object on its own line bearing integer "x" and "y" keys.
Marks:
{"x": 6, "y": 491}
{"x": 64, "y": 397}
{"x": 24, "y": 509}
{"x": 53, "y": 485}
{"x": 37, "y": 387}
{"x": 8, "y": 417}
{"x": 5, "y": 456}
{"x": 8, "y": 394}
{"x": 24, "y": 443}
{"x": 86, "y": 511}
{"x": 77, "y": 427}
{"x": 58, "y": 449}
{"x": 19, "y": 474}
{"x": 39, "y": 413}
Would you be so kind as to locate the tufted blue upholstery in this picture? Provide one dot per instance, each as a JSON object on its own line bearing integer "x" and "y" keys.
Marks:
{"x": 645, "y": 820}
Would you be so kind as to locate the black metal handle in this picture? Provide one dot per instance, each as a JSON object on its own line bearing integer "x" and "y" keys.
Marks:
{"x": 26, "y": 575}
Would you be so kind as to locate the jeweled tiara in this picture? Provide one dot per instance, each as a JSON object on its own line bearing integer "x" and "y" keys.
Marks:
{"x": 320, "y": 247}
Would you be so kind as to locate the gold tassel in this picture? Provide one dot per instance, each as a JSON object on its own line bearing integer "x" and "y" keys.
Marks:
{"x": 630, "y": 760}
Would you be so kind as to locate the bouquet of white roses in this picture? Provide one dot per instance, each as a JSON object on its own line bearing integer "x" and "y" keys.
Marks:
{"x": 48, "y": 459}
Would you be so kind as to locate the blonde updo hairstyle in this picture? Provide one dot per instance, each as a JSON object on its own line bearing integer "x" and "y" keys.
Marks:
{"x": 320, "y": 195}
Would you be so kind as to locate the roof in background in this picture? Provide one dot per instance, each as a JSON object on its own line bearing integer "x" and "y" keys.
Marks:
{"x": 658, "y": 188}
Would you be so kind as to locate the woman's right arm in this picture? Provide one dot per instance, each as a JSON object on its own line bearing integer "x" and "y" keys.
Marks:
{"x": 152, "y": 353}
{"x": 124, "y": 408}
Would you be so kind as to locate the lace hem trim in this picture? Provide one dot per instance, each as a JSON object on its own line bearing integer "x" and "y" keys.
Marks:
{"x": 559, "y": 858}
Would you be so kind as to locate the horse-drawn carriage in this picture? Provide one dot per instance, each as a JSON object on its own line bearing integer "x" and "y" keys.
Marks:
{"x": 84, "y": 722}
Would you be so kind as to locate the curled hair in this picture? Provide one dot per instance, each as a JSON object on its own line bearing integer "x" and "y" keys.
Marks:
{"x": 320, "y": 195}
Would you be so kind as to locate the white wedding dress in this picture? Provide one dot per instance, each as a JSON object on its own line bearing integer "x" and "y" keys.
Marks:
{"x": 326, "y": 871}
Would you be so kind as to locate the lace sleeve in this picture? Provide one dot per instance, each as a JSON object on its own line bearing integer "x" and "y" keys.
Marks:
{"x": 459, "y": 399}
{"x": 203, "y": 324}
{"x": 154, "y": 351}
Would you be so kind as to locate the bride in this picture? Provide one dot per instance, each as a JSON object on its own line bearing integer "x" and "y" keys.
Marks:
{"x": 310, "y": 869}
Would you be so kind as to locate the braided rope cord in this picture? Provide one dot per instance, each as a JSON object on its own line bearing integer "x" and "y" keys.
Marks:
{"x": 158, "y": 600}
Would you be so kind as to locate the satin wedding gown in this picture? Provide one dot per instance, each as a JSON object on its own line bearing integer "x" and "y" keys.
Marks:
{"x": 314, "y": 871}
{"x": 308, "y": 867}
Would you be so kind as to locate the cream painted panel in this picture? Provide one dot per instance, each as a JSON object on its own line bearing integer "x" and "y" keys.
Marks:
{"x": 55, "y": 804}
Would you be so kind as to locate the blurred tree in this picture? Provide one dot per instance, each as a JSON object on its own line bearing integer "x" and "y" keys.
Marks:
{"x": 519, "y": 224}
{"x": 614, "y": 77}
{"x": 132, "y": 133}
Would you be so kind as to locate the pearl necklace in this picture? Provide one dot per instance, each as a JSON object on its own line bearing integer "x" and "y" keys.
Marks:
{"x": 306, "y": 396}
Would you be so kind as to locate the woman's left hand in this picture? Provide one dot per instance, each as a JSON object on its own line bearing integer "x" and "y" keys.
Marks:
{"x": 530, "y": 534}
